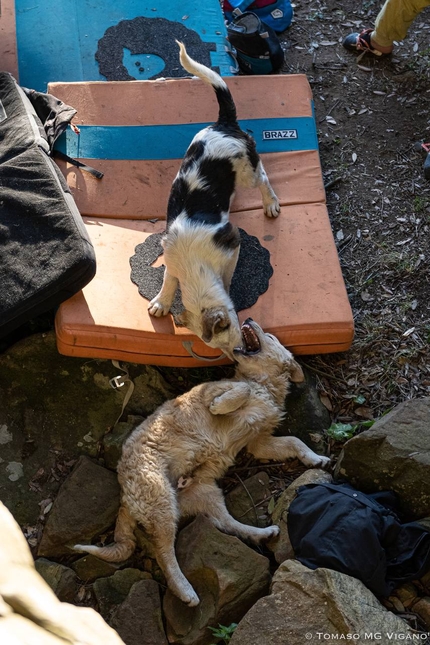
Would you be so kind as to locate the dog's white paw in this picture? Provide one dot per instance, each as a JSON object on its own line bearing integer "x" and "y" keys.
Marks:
{"x": 272, "y": 532}
{"x": 272, "y": 208}
{"x": 184, "y": 481}
{"x": 261, "y": 535}
{"x": 214, "y": 407}
{"x": 194, "y": 601}
{"x": 323, "y": 462}
{"x": 312, "y": 460}
{"x": 157, "y": 308}
{"x": 188, "y": 596}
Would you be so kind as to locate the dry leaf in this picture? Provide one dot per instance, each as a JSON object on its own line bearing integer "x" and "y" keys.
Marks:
{"x": 364, "y": 412}
{"x": 326, "y": 402}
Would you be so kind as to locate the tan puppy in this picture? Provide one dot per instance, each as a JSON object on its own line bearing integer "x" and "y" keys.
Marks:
{"x": 201, "y": 246}
{"x": 170, "y": 463}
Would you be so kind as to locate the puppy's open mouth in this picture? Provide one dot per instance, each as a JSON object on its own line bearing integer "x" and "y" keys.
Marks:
{"x": 251, "y": 342}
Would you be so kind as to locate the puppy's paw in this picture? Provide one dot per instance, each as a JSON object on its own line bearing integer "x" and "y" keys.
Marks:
{"x": 312, "y": 460}
{"x": 272, "y": 532}
{"x": 323, "y": 462}
{"x": 262, "y": 535}
{"x": 188, "y": 596}
{"x": 194, "y": 601}
{"x": 272, "y": 208}
{"x": 184, "y": 481}
{"x": 157, "y": 308}
{"x": 214, "y": 407}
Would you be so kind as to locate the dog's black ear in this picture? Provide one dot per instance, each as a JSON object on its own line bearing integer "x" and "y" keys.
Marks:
{"x": 213, "y": 322}
{"x": 296, "y": 372}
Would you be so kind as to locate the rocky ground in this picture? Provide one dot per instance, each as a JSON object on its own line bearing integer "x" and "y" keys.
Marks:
{"x": 370, "y": 113}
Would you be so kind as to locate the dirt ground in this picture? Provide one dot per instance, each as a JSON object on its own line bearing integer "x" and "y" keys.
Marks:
{"x": 370, "y": 113}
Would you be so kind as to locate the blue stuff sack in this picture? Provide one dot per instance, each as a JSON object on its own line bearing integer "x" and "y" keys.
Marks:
{"x": 277, "y": 14}
{"x": 255, "y": 45}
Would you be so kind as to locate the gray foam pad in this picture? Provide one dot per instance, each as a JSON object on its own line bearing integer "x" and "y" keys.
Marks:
{"x": 250, "y": 279}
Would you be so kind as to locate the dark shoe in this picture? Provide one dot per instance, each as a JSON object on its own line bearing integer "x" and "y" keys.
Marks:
{"x": 360, "y": 42}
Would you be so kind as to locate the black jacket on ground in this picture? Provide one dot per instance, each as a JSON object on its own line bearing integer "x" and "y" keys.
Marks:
{"x": 337, "y": 527}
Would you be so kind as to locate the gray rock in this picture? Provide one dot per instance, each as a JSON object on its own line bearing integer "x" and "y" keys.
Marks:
{"x": 150, "y": 390}
{"x": 89, "y": 568}
{"x": 306, "y": 417}
{"x": 227, "y": 575}
{"x": 112, "y": 591}
{"x": 248, "y": 501}
{"x": 281, "y": 546}
{"x": 86, "y": 505}
{"x": 53, "y": 408}
{"x": 307, "y": 606}
{"x": 61, "y": 579}
{"x": 394, "y": 454}
{"x": 138, "y": 620}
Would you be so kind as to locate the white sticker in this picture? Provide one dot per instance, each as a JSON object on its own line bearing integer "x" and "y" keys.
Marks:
{"x": 279, "y": 134}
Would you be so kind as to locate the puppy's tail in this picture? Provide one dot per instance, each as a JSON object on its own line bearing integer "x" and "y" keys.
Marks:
{"x": 125, "y": 541}
{"x": 116, "y": 552}
{"x": 227, "y": 108}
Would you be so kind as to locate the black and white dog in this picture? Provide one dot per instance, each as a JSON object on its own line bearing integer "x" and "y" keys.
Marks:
{"x": 201, "y": 246}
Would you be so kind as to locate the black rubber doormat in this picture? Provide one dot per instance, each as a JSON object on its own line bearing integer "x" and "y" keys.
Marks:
{"x": 250, "y": 279}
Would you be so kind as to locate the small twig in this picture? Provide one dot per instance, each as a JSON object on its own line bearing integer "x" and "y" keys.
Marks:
{"x": 332, "y": 183}
{"x": 250, "y": 497}
{"x": 258, "y": 504}
{"x": 321, "y": 373}
{"x": 333, "y": 107}
{"x": 260, "y": 466}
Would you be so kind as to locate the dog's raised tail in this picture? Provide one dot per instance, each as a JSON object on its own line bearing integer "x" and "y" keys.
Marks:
{"x": 227, "y": 108}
